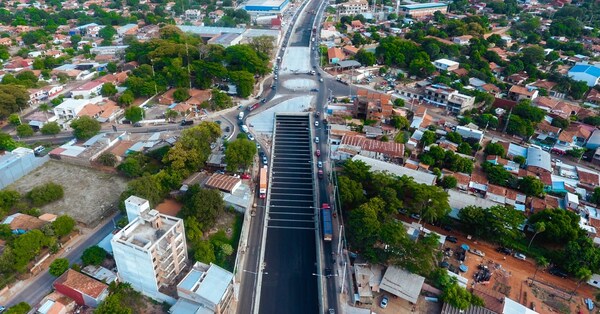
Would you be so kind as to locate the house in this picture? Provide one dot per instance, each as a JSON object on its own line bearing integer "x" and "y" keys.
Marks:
{"x": 402, "y": 283}
{"x": 518, "y": 93}
{"x": 462, "y": 40}
{"x": 441, "y": 95}
{"x": 70, "y": 108}
{"x": 538, "y": 160}
{"x": 467, "y": 133}
{"x": 445, "y": 65}
{"x": 353, "y": 145}
{"x": 372, "y": 105}
{"x": 496, "y": 193}
{"x": 205, "y": 289}
{"x": 423, "y": 10}
{"x": 585, "y": 72}
{"x": 335, "y": 55}
{"x": 82, "y": 289}
{"x": 88, "y": 90}
{"x": 593, "y": 96}
{"x": 593, "y": 141}
{"x": 575, "y": 136}
{"x": 572, "y": 200}
{"x": 21, "y": 223}
{"x": 353, "y": 7}
{"x": 378, "y": 165}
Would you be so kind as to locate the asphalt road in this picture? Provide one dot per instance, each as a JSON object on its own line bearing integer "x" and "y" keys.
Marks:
{"x": 41, "y": 285}
{"x": 288, "y": 283}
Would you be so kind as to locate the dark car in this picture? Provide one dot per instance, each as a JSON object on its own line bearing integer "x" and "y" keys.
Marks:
{"x": 137, "y": 125}
{"x": 447, "y": 228}
{"x": 227, "y": 129}
{"x": 451, "y": 239}
{"x": 187, "y": 122}
{"x": 504, "y": 250}
{"x": 558, "y": 272}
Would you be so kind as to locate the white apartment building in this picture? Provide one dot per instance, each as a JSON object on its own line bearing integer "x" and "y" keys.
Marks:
{"x": 353, "y": 7}
{"x": 445, "y": 64}
{"x": 443, "y": 96}
{"x": 151, "y": 250}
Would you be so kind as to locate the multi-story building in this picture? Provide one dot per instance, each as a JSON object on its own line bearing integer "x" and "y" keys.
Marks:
{"x": 353, "y": 7}
{"x": 443, "y": 96}
{"x": 205, "y": 289}
{"x": 151, "y": 250}
{"x": 421, "y": 10}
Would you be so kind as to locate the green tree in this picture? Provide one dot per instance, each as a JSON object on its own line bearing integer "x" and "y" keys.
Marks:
{"x": 204, "y": 252}
{"x": 171, "y": 115}
{"x": 560, "y": 225}
{"x": 7, "y": 142}
{"x": 364, "y": 224}
{"x": 108, "y": 89}
{"x": 582, "y": 275}
{"x": 181, "y": 94}
{"x": 58, "y": 267}
{"x": 27, "y": 246}
{"x": 19, "y": 308}
{"x": 576, "y": 152}
{"x": 540, "y": 262}
{"x": 203, "y": 204}
{"x": 50, "y": 128}
{"x": 85, "y": 127}
{"x": 127, "y": 98}
{"x": 400, "y": 122}
{"x": 193, "y": 147}
{"x": 112, "y": 305}
{"x": 365, "y": 58}
{"x": 495, "y": 149}
{"x": 496, "y": 174}
{"x": 46, "y": 193}
{"x": 111, "y": 67}
{"x": 134, "y": 114}
{"x": 520, "y": 160}
{"x": 454, "y": 137}
{"x": 539, "y": 227}
{"x": 351, "y": 192}
{"x": 263, "y": 45}
{"x": 595, "y": 196}
{"x": 531, "y": 186}
{"x": 244, "y": 82}
{"x": 399, "y": 102}
{"x": 593, "y": 120}
{"x": 14, "y": 119}
{"x": 107, "y": 32}
{"x": 428, "y": 138}
{"x": 459, "y": 297}
{"x": 239, "y": 154}
{"x": 63, "y": 225}
{"x": 560, "y": 123}
{"x": 24, "y": 130}
{"x": 107, "y": 159}
{"x": 94, "y": 255}
{"x": 448, "y": 182}
{"x": 465, "y": 149}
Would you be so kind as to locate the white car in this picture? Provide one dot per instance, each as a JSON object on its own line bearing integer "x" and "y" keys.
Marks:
{"x": 316, "y": 123}
{"x": 477, "y": 252}
{"x": 250, "y": 137}
{"x": 317, "y": 139}
{"x": 320, "y": 164}
{"x": 384, "y": 302}
{"x": 520, "y": 256}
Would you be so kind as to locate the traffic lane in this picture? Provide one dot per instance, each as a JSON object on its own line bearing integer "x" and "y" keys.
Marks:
{"x": 289, "y": 276}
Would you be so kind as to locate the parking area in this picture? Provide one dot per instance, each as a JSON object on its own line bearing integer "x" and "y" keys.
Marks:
{"x": 89, "y": 193}
{"x": 289, "y": 284}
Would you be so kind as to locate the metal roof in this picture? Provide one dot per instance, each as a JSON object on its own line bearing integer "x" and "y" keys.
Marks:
{"x": 587, "y": 69}
{"x": 402, "y": 283}
{"x": 536, "y": 157}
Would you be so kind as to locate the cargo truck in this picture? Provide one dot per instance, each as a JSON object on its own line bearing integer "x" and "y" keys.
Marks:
{"x": 263, "y": 182}
{"x": 327, "y": 223}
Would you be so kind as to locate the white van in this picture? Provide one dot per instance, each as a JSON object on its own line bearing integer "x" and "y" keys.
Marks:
{"x": 244, "y": 128}
{"x": 241, "y": 115}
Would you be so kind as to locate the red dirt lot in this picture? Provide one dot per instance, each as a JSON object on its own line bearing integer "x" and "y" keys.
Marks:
{"x": 548, "y": 293}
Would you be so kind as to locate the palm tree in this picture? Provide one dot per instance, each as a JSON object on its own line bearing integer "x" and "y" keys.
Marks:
{"x": 44, "y": 108}
{"x": 582, "y": 274}
{"x": 542, "y": 262}
{"x": 539, "y": 228}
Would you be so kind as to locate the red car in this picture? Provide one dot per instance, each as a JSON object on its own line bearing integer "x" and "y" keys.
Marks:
{"x": 245, "y": 176}
{"x": 318, "y": 152}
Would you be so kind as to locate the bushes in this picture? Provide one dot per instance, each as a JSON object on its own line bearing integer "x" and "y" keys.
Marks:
{"x": 63, "y": 225}
{"x": 45, "y": 194}
{"x": 58, "y": 267}
{"x": 93, "y": 255}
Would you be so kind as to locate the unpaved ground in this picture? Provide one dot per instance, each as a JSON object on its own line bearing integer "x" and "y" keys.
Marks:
{"x": 89, "y": 194}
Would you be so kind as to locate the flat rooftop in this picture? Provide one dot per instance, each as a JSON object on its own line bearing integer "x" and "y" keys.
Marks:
{"x": 143, "y": 233}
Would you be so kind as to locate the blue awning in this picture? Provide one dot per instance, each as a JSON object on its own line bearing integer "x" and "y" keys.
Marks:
{"x": 464, "y": 247}
{"x": 463, "y": 268}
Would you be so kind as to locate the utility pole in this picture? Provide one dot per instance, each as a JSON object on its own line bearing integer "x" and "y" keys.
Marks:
{"x": 507, "y": 120}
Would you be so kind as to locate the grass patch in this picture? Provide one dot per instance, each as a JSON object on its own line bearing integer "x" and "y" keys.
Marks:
{"x": 220, "y": 241}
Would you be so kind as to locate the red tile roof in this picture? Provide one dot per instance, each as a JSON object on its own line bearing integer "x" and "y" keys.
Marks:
{"x": 82, "y": 283}
{"x": 388, "y": 148}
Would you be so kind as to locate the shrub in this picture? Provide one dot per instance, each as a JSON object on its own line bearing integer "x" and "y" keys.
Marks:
{"x": 44, "y": 194}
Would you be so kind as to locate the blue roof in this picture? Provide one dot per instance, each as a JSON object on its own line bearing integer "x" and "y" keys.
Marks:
{"x": 587, "y": 69}
{"x": 417, "y": 6}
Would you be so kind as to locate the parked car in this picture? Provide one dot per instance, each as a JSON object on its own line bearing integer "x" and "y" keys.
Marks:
{"x": 318, "y": 152}
{"x": 317, "y": 139}
{"x": 415, "y": 216}
{"x": 558, "y": 272}
{"x": 520, "y": 256}
{"x": 477, "y": 252}
{"x": 38, "y": 152}
{"x": 2, "y": 309}
{"x": 220, "y": 172}
{"x": 319, "y": 164}
{"x": 316, "y": 123}
{"x": 451, "y": 239}
{"x": 265, "y": 160}
{"x": 245, "y": 176}
{"x": 250, "y": 137}
{"x": 227, "y": 129}
{"x": 504, "y": 250}
{"x": 139, "y": 125}
{"x": 384, "y": 302}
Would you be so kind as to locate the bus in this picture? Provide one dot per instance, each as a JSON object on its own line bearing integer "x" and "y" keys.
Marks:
{"x": 327, "y": 223}
{"x": 263, "y": 182}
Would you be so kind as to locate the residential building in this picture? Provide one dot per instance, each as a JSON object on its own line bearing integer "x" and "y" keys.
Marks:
{"x": 468, "y": 133}
{"x": 82, "y": 289}
{"x": 88, "y": 90}
{"x": 585, "y": 72}
{"x": 335, "y": 55}
{"x": 443, "y": 96}
{"x": 353, "y": 7}
{"x": 353, "y": 145}
{"x": 151, "y": 250}
{"x": 538, "y": 160}
{"x": 71, "y": 107}
{"x": 193, "y": 15}
{"x": 372, "y": 105}
{"x": 445, "y": 65}
{"x": 422, "y": 10}
{"x": 22, "y": 223}
{"x": 206, "y": 288}
{"x": 108, "y": 50}
{"x": 402, "y": 283}
{"x": 518, "y": 93}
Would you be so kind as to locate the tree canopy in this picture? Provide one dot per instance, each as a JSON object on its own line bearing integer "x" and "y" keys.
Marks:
{"x": 239, "y": 154}
{"x": 85, "y": 127}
